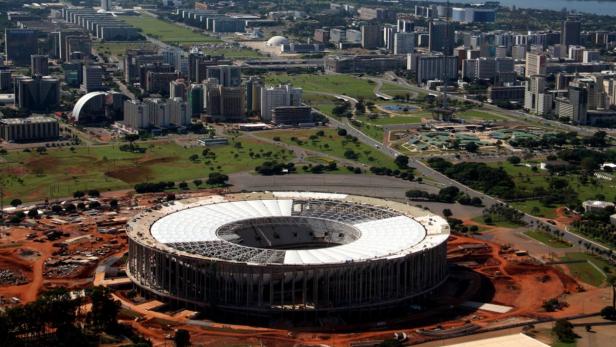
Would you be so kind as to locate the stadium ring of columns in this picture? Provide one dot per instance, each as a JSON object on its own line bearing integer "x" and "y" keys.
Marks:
{"x": 268, "y": 253}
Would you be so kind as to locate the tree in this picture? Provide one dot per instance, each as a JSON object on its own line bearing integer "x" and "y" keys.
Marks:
{"x": 78, "y": 194}
{"x": 447, "y": 213}
{"x": 515, "y": 160}
{"x": 131, "y": 138}
{"x": 197, "y": 182}
{"x": 471, "y": 147}
{"x": 342, "y": 132}
{"x": 104, "y": 312}
{"x": 608, "y": 312}
{"x": 16, "y": 202}
{"x": 611, "y": 280}
{"x": 563, "y": 329}
{"x": 181, "y": 338}
{"x": 33, "y": 212}
{"x": 217, "y": 179}
{"x": 183, "y": 185}
{"x": 94, "y": 193}
{"x": 193, "y": 157}
{"x": 113, "y": 204}
{"x": 402, "y": 161}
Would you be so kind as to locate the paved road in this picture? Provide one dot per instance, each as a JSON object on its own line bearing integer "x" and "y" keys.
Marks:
{"x": 376, "y": 186}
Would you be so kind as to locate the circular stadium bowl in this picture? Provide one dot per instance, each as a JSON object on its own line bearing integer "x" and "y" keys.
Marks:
{"x": 266, "y": 254}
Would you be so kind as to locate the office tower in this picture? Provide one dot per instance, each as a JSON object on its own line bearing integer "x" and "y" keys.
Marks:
{"x": 292, "y": 115}
{"x": 536, "y": 64}
{"x": 253, "y": 94}
{"x": 180, "y": 112}
{"x": 578, "y": 99}
{"x": 135, "y": 115}
{"x": 282, "y": 95}
{"x": 73, "y": 74}
{"x": 158, "y": 82}
{"x": 157, "y": 111}
{"x": 106, "y": 5}
{"x": 37, "y": 94}
{"x": 195, "y": 98}
{"x": 39, "y": 65}
{"x": 34, "y": 128}
{"x": 518, "y": 52}
{"x": 232, "y": 106}
{"x": 405, "y": 25}
{"x": 92, "y": 78}
{"x": 321, "y": 35}
{"x": 536, "y": 99}
{"x": 591, "y": 56}
{"x": 370, "y": 36}
{"x": 6, "y": 80}
{"x": 19, "y": 45}
{"x": 404, "y": 43}
{"x": 435, "y": 67}
{"x": 212, "y": 99}
{"x": 227, "y": 75}
{"x": 337, "y": 35}
{"x": 389, "y": 30}
{"x": 570, "y": 31}
{"x": 177, "y": 89}
{"x": 353, "y": 36}
{"x": 441, "y": 37}
{"x": 74, "y": 41}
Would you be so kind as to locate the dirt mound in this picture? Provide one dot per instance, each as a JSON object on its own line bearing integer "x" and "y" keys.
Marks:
{"x": 41, "y": 163}
{"x": 131, "y": 174}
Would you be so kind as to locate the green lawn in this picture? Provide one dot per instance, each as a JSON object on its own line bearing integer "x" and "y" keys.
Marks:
{"x": 499, "y": 222}
{"x": 331, "y": 144}
{"x": 118, "y": 49}
{"x": 336, "y": 84}
{"x": 236, "y": 53}
{"x": 60, "y": 172}
{"x": 586, "y": 272}
{"x": 479, "y": 115}
{"x": 393, "y": 89}
{"x": 526, "y": 179}
{"x": 167, "y": 31}
{"x": 547, "y": 239}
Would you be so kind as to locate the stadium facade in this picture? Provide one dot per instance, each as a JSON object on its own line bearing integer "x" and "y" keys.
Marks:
{"x": 267, "y": 254}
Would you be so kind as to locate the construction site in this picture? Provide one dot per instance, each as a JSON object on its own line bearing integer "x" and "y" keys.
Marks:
{"x": 489, "y": 286}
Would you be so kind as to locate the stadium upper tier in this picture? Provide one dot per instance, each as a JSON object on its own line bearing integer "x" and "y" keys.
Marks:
{"x": 292, "y": 229}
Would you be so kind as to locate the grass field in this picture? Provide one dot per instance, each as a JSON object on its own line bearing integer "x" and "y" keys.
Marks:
{"x": 331, "y": 144}
{"x": 547, "y": 239}
{"x": 499, "y": 222}
{"x": 118, "y": 49}
{"x": 527, "y": 179}
{"x": 479, "y": 116}
{"x": 585, "y": 271}
{"x": 166, "y": 31}
{"x": 335, "y": 84}
{"x": 235, "y": 53}
{"x": 60, "y": 172}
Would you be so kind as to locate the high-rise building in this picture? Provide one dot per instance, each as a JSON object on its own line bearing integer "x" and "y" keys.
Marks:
{"x": 177, "y": 89}
{"x": 227, "y": 75}
{"x": 135, "y": 115}
{"x": 180, "y": 112}
{"x": 253, "y": 94}
{"x": 570, "y": 31}
{"x": 73, "y": 74}
{"x": 195, "y": 98}
{"x": 224, "y": 103}
{"x": 292, "y": 115}
{"x": 321, "y": 35}
{"x": 575, "y": 105}
{"x": 92, "y": 78}
{"x": 337, "y": 35}
{"x": 389, "y": 30}
{"x": 39, "y": 64}
{"x": 158, "y": 82}
{"x": 35, "y": 128}
{"x": 282, "y": 95}
{"x": 19, "y": 45}
{"x": 434, "y": 67}
{"x": 405, "y": 25}
{"x": 536, "y": 64}
{"x": 536, "y": 99}
{"x": 39, "y": 94}
{"x": 106, "y": 5}
{"x": 441, "y": 37}
{"x": 404, "y": 43}
{"x": 6, "y": 80}
{"x": 370, "y": 36}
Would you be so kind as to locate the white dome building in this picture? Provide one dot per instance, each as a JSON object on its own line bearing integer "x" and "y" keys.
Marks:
{"x": 277, "y": 41}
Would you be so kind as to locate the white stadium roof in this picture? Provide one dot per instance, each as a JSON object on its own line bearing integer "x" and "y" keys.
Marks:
{"x": 383, "y": 233}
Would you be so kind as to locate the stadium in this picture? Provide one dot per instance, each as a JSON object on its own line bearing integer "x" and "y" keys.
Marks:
{"x": 269, "y": 254}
